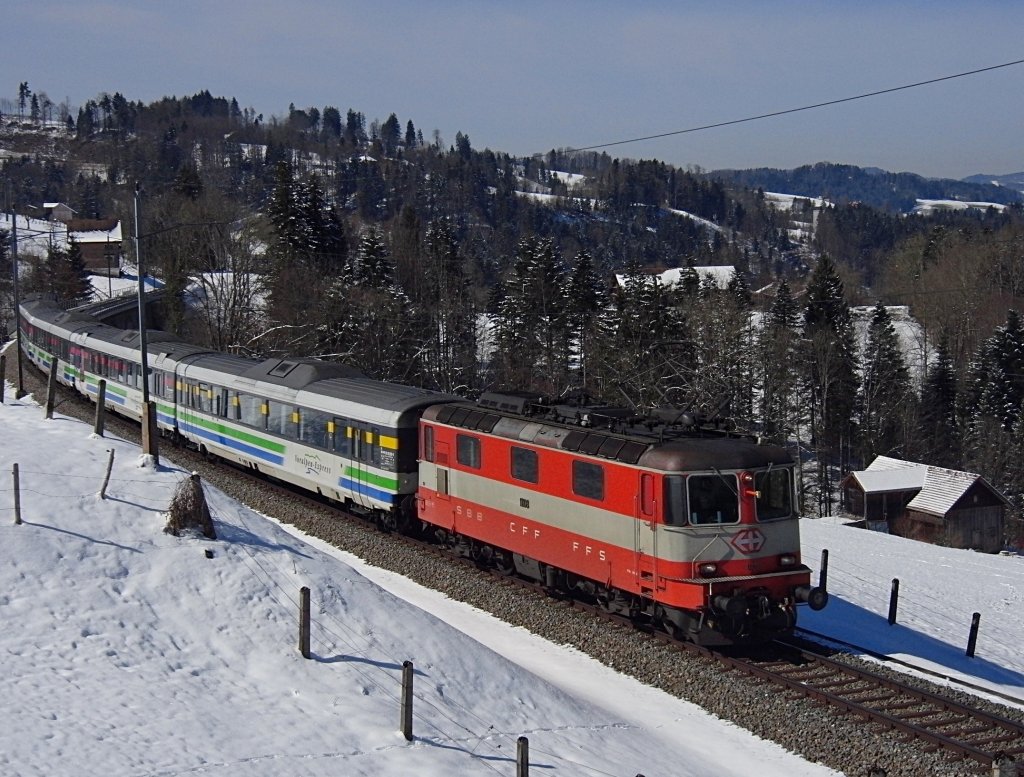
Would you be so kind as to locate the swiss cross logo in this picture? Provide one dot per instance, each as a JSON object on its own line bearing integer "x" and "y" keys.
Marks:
{"x": 748, "y": 541}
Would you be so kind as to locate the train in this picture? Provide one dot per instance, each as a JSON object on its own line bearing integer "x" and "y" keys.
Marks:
{"x": 668, "y": 518}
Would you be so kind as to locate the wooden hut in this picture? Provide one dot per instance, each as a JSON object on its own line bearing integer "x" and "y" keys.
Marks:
{"x": 922, "y": 502}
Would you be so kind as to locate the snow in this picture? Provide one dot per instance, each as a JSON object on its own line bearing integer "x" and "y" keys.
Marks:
{"x": 926, "y": 207}
{"x": 128, "y": 651}
{"x": 787, "y": 201}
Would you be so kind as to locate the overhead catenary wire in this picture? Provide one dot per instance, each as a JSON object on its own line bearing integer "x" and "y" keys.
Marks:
{"x": 786, "y": 111}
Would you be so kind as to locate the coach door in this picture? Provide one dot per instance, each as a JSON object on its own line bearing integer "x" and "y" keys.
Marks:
{"x": 365, "y": 454}
{"x": 646, "y": 536}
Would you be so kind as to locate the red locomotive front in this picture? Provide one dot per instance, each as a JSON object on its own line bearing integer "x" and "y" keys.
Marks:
{"x": 688, "y": 526}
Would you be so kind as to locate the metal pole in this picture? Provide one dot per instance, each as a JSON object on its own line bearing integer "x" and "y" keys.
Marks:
{"x": 149, "y": 428}
{"x": 142, "y": 305}
{"x": 20, "y": 391}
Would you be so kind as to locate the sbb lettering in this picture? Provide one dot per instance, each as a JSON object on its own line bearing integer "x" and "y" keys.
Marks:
{"x": 588, "y": 550}
{"x": 469, "y": 512}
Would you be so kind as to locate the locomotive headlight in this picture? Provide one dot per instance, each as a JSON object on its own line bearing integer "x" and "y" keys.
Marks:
{"x": 707, "y": 570}
{"x": 787, "y": 560}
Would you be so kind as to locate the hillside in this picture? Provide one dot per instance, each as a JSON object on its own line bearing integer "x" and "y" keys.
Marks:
{"x": 893, "y": 192}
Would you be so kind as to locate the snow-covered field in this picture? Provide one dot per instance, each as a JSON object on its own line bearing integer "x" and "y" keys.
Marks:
{"x": 127, "y": 651}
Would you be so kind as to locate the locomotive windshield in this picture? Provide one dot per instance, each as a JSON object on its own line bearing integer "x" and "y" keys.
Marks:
{"x": 774, "y": 489}
{"x": 713, "y": 499}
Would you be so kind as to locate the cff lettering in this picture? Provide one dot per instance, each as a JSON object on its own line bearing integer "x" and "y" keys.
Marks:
{"x": 587, "y": 550}
{"x": 523, "y": 529}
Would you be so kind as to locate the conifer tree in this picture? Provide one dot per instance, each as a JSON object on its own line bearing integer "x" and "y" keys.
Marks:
{"x": 939, "y": 423}
{"x": 830, "y": 376}
{"x": 586, "y": 307}
{"x": 886, "y": 396}
{"x": 996, "y": 403}
{"x": 778, "y": 348}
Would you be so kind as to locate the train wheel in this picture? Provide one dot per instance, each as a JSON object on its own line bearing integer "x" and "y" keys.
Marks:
{"x": 504, "y": 563}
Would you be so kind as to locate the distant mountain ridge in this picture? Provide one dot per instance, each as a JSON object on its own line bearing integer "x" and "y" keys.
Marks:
{"x": 895, "y": 192}
{"x": 1010, "y": 180}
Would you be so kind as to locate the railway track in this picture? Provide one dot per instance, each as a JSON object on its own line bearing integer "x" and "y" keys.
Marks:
{"x": 936, "y": 721}
{"x": 920, "y": 720}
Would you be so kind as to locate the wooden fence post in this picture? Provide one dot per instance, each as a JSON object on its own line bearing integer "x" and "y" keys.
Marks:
{"x": 101, "y": 408}
{"x": 3, "y": 372}
{"x": 522, "y": 757}
{"x": 304, "y": 621}
{"x": 823, "y": 572}
{"x": 407, "y": 675}
{"x": 51, "y": 388}
{"x": 894, "y": 597}
{"x": 106, "y": 478}
{"x": 17, "y": 498}
{"x": 972, "y": 639}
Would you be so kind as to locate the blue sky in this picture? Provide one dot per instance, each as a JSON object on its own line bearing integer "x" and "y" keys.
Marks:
{"x": 527, "y": 76}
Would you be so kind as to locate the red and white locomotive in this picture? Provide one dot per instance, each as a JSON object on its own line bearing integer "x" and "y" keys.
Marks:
{"x": 659, "y": 517}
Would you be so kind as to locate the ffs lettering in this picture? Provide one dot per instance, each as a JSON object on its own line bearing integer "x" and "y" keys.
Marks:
{"x": 586, "y": 550}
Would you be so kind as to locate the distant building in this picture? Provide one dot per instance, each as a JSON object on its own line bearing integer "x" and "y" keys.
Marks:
{"x": 100, "y": 241}
{"x": 58, "y": 211}
{"x": 941, "y": 506}
{"x": 721, "y": 275}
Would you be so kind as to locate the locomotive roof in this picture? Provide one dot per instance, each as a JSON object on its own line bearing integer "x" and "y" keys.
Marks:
{"x": 656, "y": 443}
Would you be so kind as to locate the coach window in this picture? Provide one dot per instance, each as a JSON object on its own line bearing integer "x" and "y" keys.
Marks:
{"x": 251, "y": 410}
{"x": 313, "y": 427}
{"x": 524, "y": 464}
{"x": 467, "y": 450}
{"x": 342, "y": 437}
{"x": 675, "y": 500}
{"x": 774, "y": 494}
{"x": 713, "y": 499}
{"x": 588, "y": 480}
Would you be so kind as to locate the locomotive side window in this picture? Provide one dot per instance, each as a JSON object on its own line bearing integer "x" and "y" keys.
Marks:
{"x": 774, "y": 494}
{"x": 428, "y": 443}
{"x": 524, "y": 464}
{"x": 467, "y": 450}
{"x": 588, "y": 480}
{"x": 713, "y": 499}
{"x": 675, "y": 500}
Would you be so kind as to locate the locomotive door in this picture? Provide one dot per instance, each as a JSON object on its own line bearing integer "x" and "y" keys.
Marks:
{"x": 646, "y": 537}
{"x": 441, "y": 471}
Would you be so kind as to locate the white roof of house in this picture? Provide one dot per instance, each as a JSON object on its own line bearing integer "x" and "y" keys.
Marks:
{"x": 98, "y": 235}
{"x": 940, "y": 487}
